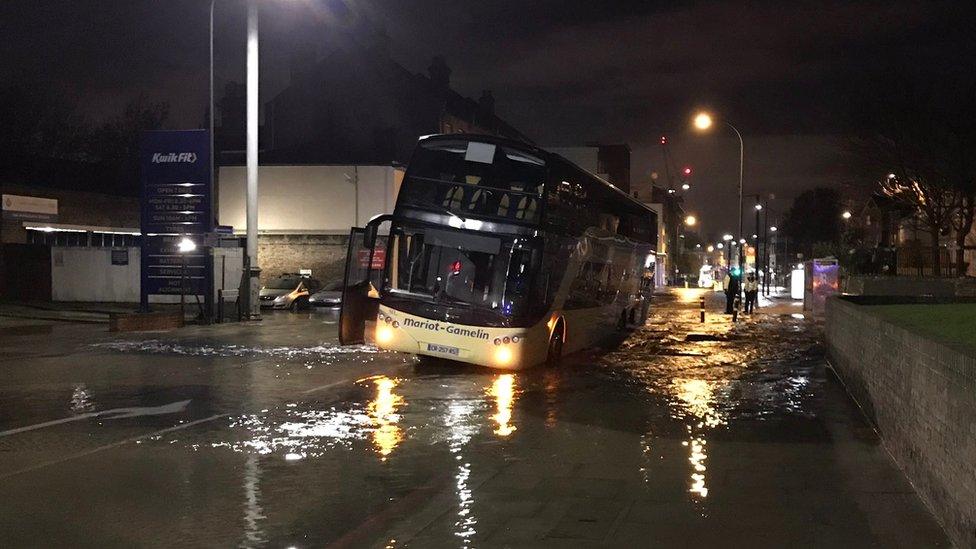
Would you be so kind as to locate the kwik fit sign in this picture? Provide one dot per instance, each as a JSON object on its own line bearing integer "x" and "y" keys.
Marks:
{"x": 176, "y": 199}
{"x": 176, "y": 182}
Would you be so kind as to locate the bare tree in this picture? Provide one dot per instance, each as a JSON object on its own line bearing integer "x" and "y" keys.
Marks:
{"x": 935, "y": 205}
{"x": 919, "y": 136}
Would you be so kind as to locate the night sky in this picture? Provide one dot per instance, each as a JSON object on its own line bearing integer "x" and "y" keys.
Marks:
{"x": 563, "y": 72}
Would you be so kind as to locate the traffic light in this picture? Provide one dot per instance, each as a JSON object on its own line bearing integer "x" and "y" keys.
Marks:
{"x": 686, "y": 171}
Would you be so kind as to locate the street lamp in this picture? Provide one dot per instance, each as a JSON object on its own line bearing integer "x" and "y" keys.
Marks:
{"x": 759, "y": 207}
{"x": 711, "y": 248}
{"x": 703, "y": 121}
{"x": 727, "y": 237}
{"x": 250, "y": 287}
{"x": 846, "y": 215}
{"x": 773, "y": 229}
{"x": 691, "y": 221}
{"x": 685, "y": 186}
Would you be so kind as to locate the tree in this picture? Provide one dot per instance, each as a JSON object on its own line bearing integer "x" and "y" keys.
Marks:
{"x": 922, "y": 130}
{"x": 935, "y": 206}
{"x": 116, "y": 142}
{"x": 814, "y": 217}
{"x": 39, "y": 124}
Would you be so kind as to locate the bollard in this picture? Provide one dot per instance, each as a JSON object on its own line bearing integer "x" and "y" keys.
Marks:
{"x": 701, "y": 307}
{"x": 220, "y": 305}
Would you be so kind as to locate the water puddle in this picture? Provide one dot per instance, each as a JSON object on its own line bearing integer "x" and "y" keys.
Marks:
{"x": 159, "y": 347}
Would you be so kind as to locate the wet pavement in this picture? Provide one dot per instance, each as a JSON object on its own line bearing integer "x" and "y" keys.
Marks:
{"x": 681, "y": 435}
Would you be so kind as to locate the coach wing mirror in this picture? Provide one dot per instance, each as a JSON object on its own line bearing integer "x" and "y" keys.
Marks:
{"x": 372, "y": 229}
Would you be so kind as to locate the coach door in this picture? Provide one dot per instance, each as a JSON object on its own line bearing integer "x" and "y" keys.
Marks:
{"x": 365, "y": 260}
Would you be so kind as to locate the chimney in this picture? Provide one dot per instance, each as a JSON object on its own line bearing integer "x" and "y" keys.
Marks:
{"x": 439, "y": 72}
{"x": 486, "y": 103}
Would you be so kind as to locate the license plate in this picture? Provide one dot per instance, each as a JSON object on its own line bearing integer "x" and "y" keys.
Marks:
{"x": 443, "y": 349}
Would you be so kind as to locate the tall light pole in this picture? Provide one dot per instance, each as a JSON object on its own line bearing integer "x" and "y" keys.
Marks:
{"x": 254, "y": 272}
{"x": 703, "y": 121}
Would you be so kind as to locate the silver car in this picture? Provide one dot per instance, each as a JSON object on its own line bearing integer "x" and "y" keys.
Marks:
{"x": 288, "y": 292}
{"x": 329, "y": 296}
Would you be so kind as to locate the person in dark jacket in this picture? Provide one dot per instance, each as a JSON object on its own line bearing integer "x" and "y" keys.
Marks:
{"x": 732, "y": 284}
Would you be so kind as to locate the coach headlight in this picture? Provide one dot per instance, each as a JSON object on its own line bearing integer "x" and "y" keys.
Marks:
{"x": 384, "y": 334}
{"x": 504, "y": 355}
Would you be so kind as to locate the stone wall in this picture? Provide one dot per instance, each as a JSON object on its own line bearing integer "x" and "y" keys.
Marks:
{"x": 921, "y": 396}
{"x": 324, "y": 254}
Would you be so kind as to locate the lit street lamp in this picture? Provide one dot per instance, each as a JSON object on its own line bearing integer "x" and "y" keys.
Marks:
{"x": 685, "y": 186}
{"x": 773, "y": 229}
{"x": 846, "y": 215}
{"x": 727, "y": 237}
{"x": 691, "y": 221}
{"x": 703, "y": 121}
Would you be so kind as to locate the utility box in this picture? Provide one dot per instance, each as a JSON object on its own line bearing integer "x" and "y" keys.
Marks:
{"x": 821, "y": 279}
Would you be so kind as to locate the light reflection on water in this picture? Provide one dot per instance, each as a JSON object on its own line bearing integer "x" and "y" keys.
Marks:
{"x": 462, "y": 426}
{"x": 503, "y": 390}
{"x": 696, "y": 406}
{"x": 384, "y": 417}
{"x": 81, "y": 399}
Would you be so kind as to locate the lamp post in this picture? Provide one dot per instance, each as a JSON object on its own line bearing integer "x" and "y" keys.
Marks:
{"x": 253, "y": 271}
{"x": 703, "y": 121}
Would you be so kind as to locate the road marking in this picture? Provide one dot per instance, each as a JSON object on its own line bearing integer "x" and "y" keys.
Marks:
{"x": 115, "y": 413}
{"x": 112, "y": 445}
{"x": 324, "y": 387}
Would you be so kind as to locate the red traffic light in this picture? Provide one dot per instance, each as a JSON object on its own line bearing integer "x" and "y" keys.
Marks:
{"x": 686, "y": 171}
{"x": 456, "y": 268}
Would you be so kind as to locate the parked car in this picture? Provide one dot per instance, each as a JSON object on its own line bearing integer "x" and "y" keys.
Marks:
{"x": 288, "y": 292}
{"x": 329, "y": 296}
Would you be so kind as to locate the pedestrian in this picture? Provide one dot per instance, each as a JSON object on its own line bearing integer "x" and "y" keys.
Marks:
{"x": 751, "y": 287}
{"x": 731, "y": 284}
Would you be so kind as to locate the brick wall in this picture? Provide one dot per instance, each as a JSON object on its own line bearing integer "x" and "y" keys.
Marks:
{"x": 324, "y": 254}
{"x": 921, "y": 395}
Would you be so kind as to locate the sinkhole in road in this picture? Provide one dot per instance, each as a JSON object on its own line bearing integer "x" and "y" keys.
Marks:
{"x": 709, "y": 337}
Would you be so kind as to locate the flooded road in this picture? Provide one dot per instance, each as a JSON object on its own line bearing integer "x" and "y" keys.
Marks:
{"x": 682, "y": 435}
